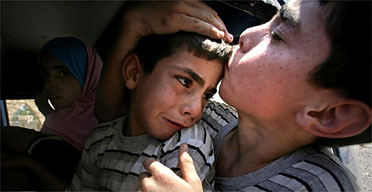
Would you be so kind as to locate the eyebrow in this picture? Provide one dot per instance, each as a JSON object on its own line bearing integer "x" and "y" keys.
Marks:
{"x": 288, "y": 16}
{"x": 193, "y": 75}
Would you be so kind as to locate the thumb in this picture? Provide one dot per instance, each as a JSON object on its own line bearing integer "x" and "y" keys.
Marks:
{"x": 187, "y": 167}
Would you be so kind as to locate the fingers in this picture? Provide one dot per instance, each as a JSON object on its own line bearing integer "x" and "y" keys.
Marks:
{"x": 159, "y": 178}
{"x": 174, "y": 16}
{"x": 144, "y": 180}
{"x": 147, "y": 163}
{"x": 156, "y": 169}
{"x": 215, "y": 27}
{"x": 191, "y": 24}
{"x": 151, "y": 165}
{"x": 143, "y": 176}
{"x": 187, "y": 167}
{"x": 205, "y": 13}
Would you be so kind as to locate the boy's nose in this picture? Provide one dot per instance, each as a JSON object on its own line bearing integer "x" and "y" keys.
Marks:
{"x": 193, "y": 108}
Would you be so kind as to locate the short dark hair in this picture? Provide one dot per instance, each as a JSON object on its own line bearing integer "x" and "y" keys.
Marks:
{"x": 348, "y": 67}
{"x": 152, "y": 48}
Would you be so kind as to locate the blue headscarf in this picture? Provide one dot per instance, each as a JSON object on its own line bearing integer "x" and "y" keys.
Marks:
{"x": 72, "y": 53}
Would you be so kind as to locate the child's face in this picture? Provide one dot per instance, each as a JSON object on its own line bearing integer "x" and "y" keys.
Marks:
{"x": 61, "y": 86}
{"x": 173, "y": 95}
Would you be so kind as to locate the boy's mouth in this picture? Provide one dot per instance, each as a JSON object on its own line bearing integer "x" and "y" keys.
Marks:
{"x": 173, "y": 125}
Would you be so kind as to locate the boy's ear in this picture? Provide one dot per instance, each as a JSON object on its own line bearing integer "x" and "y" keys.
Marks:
{"x": 341, "y": 119}
{"x": 131, "y": 71}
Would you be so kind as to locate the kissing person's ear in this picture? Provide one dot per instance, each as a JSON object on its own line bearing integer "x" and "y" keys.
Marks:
{"x": 344, "y": 118}
{"x": 132, "y": 71}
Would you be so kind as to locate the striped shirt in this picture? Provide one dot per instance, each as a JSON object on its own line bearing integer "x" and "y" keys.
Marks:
{"x": 112, "y": 161}
{"x": 307, "y": 169}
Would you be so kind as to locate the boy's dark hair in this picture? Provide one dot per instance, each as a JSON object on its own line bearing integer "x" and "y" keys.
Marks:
{"x": 348, "y": 67}
{"x": 152, "y": 48}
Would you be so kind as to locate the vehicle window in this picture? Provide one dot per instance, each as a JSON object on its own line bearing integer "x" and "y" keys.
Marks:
{"x": 24, "y": 113}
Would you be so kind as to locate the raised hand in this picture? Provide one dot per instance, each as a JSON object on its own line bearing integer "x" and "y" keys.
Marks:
{"x": 152, "y": 17}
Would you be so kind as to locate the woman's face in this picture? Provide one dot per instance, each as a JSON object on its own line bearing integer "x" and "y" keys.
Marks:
{"x": 61, "y": 86}
{"x": 268, "y": 75}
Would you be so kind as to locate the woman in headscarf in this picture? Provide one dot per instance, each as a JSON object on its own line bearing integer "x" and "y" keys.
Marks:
{"x": 71, "y": 70}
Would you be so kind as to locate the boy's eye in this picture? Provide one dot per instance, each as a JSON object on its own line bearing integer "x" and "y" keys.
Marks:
{"x": 184, "y": 81}
{"x": 275, "y": 36}
{"x": 207, "y": 96}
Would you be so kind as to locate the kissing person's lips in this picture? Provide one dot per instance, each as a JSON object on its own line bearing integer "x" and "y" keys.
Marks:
{"x": 173, "y": 124}
{"x": 227, "y": 65}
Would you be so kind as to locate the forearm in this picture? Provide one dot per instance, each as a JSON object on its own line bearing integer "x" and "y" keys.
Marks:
{"x": 112, "y": 97}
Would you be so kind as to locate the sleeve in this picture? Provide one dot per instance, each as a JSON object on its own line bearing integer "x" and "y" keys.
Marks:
{"x": 200, "y": 149}
{"x": 218, "y": 119}
{"x": 86, "y": 174}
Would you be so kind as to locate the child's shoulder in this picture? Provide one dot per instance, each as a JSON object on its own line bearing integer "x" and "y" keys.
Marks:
{"x": 217, "y": 110}
{"x": 114, "y": 122}
{"x": 200, "y": 148}
{"x": 197, "y": 138}
{"x": 105, "y": 130}
{"x": 218, "y": 118}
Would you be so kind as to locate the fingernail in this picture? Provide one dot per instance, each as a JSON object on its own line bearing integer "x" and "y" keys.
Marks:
{"x": 231, "y": 36}
{"x": 220, "y": 34}
{"x": 184, "y": 147}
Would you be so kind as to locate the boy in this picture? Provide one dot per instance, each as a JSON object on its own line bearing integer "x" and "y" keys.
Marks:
{"x": 299, "y": 83}
{"x": 170, "y": 78}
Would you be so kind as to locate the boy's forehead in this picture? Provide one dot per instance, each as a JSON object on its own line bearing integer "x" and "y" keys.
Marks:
{"x": 305, "y": 14}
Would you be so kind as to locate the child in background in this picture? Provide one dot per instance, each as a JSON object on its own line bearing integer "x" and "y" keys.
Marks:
{"x": 71, "y": 70}
{"x": 170, "y": 79}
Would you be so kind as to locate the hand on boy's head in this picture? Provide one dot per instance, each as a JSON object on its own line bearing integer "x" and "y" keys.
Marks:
{"x": 173, "y": 16}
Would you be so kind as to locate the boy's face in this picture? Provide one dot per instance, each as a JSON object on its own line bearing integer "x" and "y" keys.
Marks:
{"x": 268, "y": 75}
{"x": 61, "y": 86}
{"x": 173, "y": 95}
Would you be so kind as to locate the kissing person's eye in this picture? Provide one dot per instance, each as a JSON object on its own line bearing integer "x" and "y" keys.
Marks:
{"x": 184, "y": 81}
{"x": 275, "y": 36}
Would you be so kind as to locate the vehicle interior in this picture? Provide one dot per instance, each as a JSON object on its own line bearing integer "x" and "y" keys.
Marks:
{"x": 27, "y": 25}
